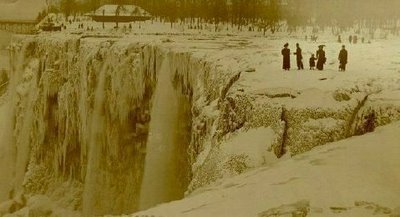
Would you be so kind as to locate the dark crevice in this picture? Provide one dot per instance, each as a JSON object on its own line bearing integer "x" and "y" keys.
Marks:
{"x": 351, "y": 126}
{"x": 229, "y": 85}
{"x": 281, "y": 95}
{"x": 368, "y": 125}
{"x": 279, "y": 153}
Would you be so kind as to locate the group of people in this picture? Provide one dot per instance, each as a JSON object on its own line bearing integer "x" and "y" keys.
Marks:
{"x": 320, "y": 58}
{"x": 353, "y": 39}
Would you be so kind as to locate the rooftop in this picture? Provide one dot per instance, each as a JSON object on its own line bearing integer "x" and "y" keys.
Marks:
{"x": 124, "y": 10}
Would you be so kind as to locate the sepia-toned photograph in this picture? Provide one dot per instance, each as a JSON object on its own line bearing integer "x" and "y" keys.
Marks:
{"x": 199, "y": 108}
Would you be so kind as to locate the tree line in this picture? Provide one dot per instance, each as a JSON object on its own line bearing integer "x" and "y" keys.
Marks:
{"x": 265, "y": 14}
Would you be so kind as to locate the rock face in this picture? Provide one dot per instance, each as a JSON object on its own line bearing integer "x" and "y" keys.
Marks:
{"x": 79, "y": 108}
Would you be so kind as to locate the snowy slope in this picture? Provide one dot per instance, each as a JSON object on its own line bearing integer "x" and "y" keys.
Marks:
{"x": 359, "y": 176}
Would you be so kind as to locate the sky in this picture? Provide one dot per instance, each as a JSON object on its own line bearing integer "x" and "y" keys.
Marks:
{"x": 20, "y": 9}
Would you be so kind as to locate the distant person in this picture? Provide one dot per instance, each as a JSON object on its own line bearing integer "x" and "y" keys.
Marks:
{"x": 321, "y": 59}
{"x": 312, "y": 62}
{"x": 350, "y": 39}
{"x": 314, "y": 38}
{"x": 363, "y": 40}
{"x": 343, "y": 59}
{"x": 286, "y": 57}
{"x": 355, "y": 39}
{"x": 339, "y": 39}
{"x": 299, "y": 57}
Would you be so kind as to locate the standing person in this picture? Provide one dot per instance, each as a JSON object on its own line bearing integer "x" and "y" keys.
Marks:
{"x": 350, "y": 39}
{"x": 321, "y": 57}
{"x": 343, "y": 59}
{"x": 299, "y": 57}
{"x": 355, "y": 39}
{"x": 286, "y": 57}
{"x": 312, "y": 62}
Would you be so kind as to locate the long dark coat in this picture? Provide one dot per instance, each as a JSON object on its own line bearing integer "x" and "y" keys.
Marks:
{"x": 286, "y": 58}
{"x": 343, "y": 56}
{"x": 321, "y": 59}
{"x": 343, "y": 59}
{"x": 299, "y": 58}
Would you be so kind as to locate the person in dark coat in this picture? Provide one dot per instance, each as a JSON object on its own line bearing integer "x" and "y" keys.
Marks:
{"x": 343, "y": 59}
{"x": 299, "y": 57}
{"x": 312, "y": 62}
{"x": 350, "y": 39}
{"x": 286, "y": 57}
{"x": 355, "y": 39}
{"x": 321, "y": 57}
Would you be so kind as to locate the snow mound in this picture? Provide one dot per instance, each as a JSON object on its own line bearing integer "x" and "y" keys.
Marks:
{"x": 354, "y": 177}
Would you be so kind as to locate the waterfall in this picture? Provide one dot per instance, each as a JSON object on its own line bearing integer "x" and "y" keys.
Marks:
{"x": 7, "y": 151}
{"x": 94, "y": 121}
{"x": 15, "y": 149}
{"x": 161, "y": 180}
{"x": 96, "y": 142}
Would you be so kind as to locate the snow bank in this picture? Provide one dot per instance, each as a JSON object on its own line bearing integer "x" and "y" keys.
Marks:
{"x": 330, "y": 180}
{"x": 236, "y": 154}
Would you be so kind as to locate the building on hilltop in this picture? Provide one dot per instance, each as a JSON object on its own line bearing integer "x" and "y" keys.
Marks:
{"x": 21, "y": 16}
{"x": 120, "y": 13}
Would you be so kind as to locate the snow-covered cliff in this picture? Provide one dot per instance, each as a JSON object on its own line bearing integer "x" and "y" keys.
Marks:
{"x": 108, "y": 125}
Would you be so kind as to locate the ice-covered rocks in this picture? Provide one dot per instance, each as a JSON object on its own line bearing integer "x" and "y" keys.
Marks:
{"x": 82, "y": 110}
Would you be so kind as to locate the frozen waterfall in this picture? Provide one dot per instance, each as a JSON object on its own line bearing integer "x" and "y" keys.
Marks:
{"x": 161, "y": 180}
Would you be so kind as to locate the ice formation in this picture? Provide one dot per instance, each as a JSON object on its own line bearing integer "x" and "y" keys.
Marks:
{"x": 99, "y": 125}
{"x": 161, "y": 179}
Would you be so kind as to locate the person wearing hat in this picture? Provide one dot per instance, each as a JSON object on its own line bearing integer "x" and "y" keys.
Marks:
{"x": 299, "y": 57}
{"x": 343, "y": 59}
{"x": 286, "y": 57}
{"x": 321, "y": 59}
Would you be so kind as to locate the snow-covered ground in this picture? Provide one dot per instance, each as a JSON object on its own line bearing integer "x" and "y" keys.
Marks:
{"x": 359, "y": 176}
{"x": 245, "y": 113}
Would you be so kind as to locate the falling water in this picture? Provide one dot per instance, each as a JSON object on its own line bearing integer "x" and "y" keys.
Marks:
{"x": 161, "y": 180}
{"x": 95, "y": 145}
{"x": 7, "y": 150}
{"x": 14, "y": 153}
